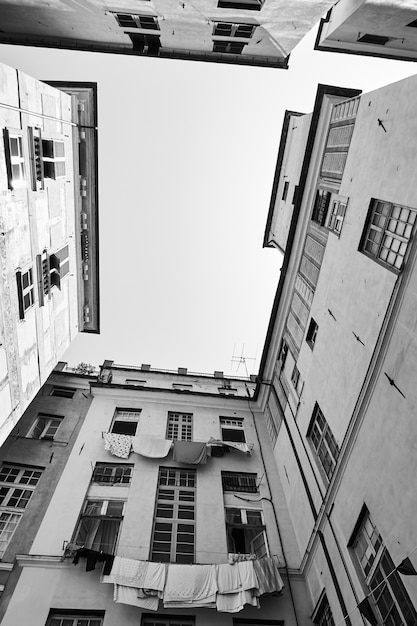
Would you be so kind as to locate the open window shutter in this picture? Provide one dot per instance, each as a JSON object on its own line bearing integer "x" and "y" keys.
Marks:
{"x": 258, "y": 545}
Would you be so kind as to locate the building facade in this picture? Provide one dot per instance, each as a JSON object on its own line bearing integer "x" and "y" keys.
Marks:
{"x": 247, "y": 32}
{"x": 151, "y": 506}
{"x": 338, "y": 370}
{"x": 383, "y": 28}
{"x": 48, "y": 238}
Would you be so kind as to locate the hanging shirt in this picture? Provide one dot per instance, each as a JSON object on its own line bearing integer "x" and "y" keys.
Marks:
{"x": 118, "y": 445}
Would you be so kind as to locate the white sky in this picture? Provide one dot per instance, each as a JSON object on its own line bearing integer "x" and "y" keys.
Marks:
{"x": 187, "y": 154}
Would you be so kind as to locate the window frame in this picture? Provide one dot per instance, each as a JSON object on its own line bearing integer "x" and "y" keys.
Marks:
{"x": 52, "y": 158}
{"x": 323, "y": 443}
{"x": 232, "y": 424}
{"x": 63, "y": 392}
{"x": 176, "y": 493}
{"x": 311, "y": 335}
{"x": 103, "y": 517}
{"x": 244, "y": 525}
{"x": 136, "y": 21}
{"x": 183, "y": 429}
{"x": 11, "y": 159}
{"x": 95, "y": 618}
{"x": 4, "y": 543}
{"x": 249, "y": 5}
{"x": 285, "y": 190}
{"x": 336, "y": 214}
{"x": 166, "y": 620}
{"x": 322, "y": 614}
{"x": 234, "y": 29}
{"x": 17, "y": 488}
{"x": 122, "y": 478}
{"x": 386, "y": 234}
{"x": 241, "y": 482}
{"x": 125, "y": 416}
{"x": 25, "y": 294}
{"x": 228, "y": 47}
{"x": 377, "y": 569}
{"x": 49, "y": 424}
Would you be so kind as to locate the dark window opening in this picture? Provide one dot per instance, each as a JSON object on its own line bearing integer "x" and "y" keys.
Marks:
{"x": 285, "y": 190}
{"x": 312, "y": 333}
{"x": 379, "y": 40}
{"x": 239, "y": 481}
{"x": 321, "y": 206}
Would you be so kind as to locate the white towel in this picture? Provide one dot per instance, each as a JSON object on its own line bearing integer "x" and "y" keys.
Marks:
{"x": 234, "y": 602}
{"x": 128, "y": 595}
{"x": 155, "y": 576}
{"x": 127, "y": 572}
{"x": 152, "y": 447}
{"x": 190, "y": 584}
{"x": 228, "y": 578}
{"x": 247, "y": 575}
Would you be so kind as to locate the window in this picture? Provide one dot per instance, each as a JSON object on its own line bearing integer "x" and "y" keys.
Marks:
{"x": 99, "y": 525}
{"x": 226, "y": 29}
{"x": 145, "y": 44}
{"x": 391, "y": 599}
{"x": 180, "y": 426}
{"x": 337, "y": 216}
{"x": 412, "y": 24}
{"x": 63, "y": 392}
{"x": 51, "y": 268}
{"x": 17, "y": 484}
{"x": 25, "y": 291}
{"x": 63, "y": 618}
{"x": 8, "y": 524}
{"x": 45, "y": 427}
{"x": 378, "y": 40}
{"x": 249, "y": 5}
{"x": 294, "y": 196}
{"x": 15, "y": 162}
{"x": 112, "y": 474}
{"x": 148, "y": 22}
{"x": 322, "y": 615}
{"x": 312, "y": 333}
{"x": 388, "y": 232}
{"x": 173, "y": 537}
{"x": 323, "y": 442}
{"x": 182, "y": 386}
{"x": 232, "y": 429}
{"x": 245, "y": 532}
{"x": 53, "y": 158}
{"x": 271, "y": 426}
{"x": 283, "y": 352}
{"x": 297, "y": 381}
{"x": 239, "y": 481}
{"x": 135, "y": 381}
{"x": 125, "y": 421}
{"x": 321, "y": 206}
{"x": 285, "y": 190}
{"x": 167, "y": 621}
{"x": 229, "y": 47}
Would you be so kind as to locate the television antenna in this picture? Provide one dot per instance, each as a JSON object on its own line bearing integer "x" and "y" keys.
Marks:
{"x": 241, "y": 360}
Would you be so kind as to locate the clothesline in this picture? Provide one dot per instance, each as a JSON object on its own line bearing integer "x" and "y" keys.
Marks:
{"x": 190, "y": 452}
{"x": 377, "y": 587}
{"x": 226, "y": 587}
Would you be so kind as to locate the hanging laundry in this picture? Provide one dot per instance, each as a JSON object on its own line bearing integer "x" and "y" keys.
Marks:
{"x": 214, "y": 444}
{"x": 155, "y": 576}
{"x": 246, "y": 448}
{"x": 93, "y": 557}
{"x": 228, "y": 578}
{"x": 237, "y": 557}
{"x": 267, "y": 573}
{"x": 118, "y": 445}
{"x": 192, "y": 452}
{"x": 235, "y": 602}
{"x": 247, "y": 575}
{"x": 190, "y": 585}
{"x": 127, "y": 572}
{"x": 152, "y": 447}
{"x": 128, "y": 595}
